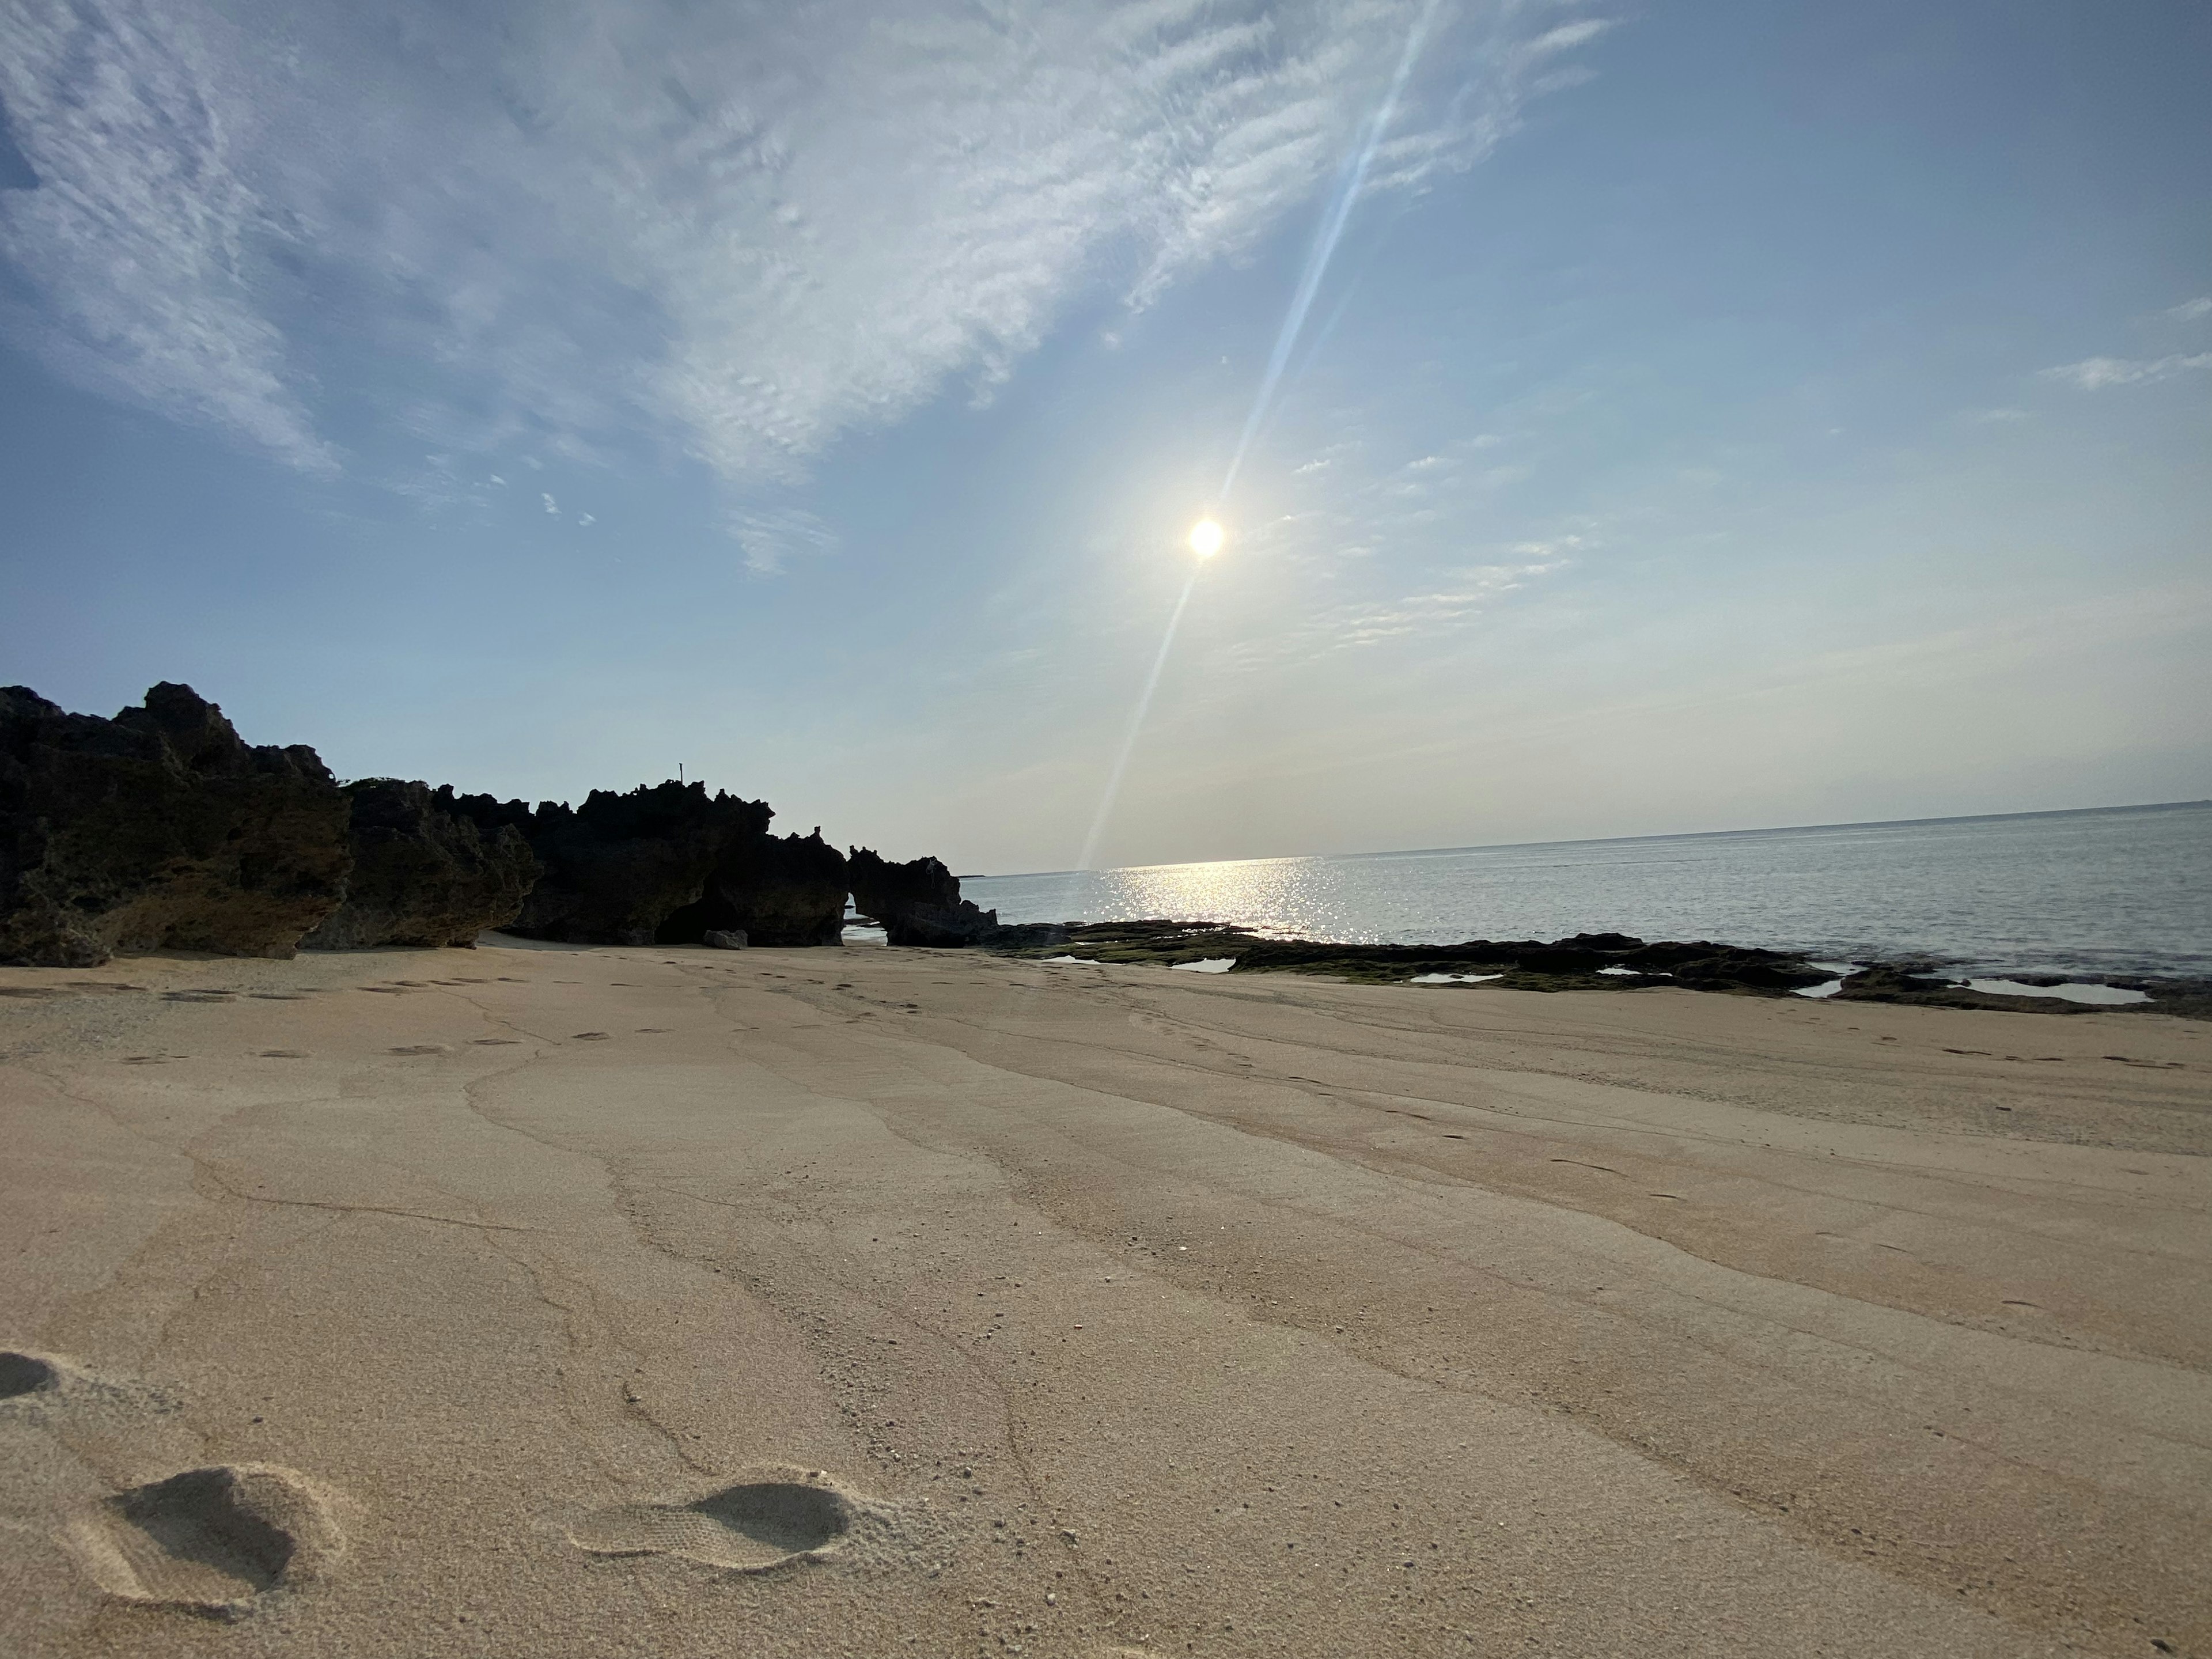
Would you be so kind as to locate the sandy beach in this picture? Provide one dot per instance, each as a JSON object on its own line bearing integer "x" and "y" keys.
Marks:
{"x": 544, "y": 1301}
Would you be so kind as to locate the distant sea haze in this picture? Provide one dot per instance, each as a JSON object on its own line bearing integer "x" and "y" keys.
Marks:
{"x": 2109, "y": 892}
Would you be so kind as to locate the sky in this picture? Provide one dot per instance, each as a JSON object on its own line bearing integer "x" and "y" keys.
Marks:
{"x": 1625, "y": 418}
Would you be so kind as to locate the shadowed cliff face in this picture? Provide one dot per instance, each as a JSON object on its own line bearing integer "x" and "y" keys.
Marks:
{"x": 159, "y": 827}
{"x": 918, "y": 903}
{"x": 616, "y": 868}
{"x": 423, "y": 873}
{"x": 778, "y": 891}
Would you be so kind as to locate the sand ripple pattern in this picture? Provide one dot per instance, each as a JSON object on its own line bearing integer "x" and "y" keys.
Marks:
{"x": 209, "y": 1540}
{"x": 748, "y": 1528}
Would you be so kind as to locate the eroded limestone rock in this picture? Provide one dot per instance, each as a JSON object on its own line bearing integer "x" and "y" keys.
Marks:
{"x": 777, "y": 890}
{"x": 918, "y": 903}
{"x": 159, "y": 827}
{"x": 619, "y": 867}
{"x": 424, "y": 873}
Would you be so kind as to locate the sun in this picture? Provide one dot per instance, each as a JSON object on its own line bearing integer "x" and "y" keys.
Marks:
{"x": 1206, "y": 538}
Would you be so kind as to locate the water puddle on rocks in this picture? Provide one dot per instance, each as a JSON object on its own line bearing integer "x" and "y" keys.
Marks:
{"x": 2102, "y": 996}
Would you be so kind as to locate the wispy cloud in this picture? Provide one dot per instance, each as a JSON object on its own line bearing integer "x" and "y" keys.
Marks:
{"x": 139, "y": 237}
{"x": 1470, "y": 591}
{"x": 738, "y": 230}
{"x": 2191, "y": 311}
{"x": 1452, "y": 600}
{"x": 772, "y": 540}
{"x": 2095, "y": 373}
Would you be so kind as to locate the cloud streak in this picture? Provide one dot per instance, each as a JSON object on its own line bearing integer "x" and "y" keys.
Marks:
{"x": 737, "y": 231}
{"x": 772, "y": 540}
{"x": 2095, "y": 373}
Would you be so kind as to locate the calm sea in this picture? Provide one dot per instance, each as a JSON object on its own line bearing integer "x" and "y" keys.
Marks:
{"x": 2114, "y": 891}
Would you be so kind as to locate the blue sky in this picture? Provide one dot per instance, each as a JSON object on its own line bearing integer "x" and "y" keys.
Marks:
{"x": 1711, "y": 415}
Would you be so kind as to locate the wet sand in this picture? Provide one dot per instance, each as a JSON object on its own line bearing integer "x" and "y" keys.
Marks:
{"x": 540, "y": 1302}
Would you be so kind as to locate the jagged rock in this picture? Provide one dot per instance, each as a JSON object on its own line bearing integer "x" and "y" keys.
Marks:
{"x": 918, "y": 903}
{"x": 618, "y": 868}
{"x": 778, "y": 891}
{"x": 424, "y": 872}
{"x": 159, "y": 828}
{"x": 724, "y": 939}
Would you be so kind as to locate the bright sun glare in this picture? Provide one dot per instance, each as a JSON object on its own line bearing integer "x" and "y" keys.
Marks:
{"x": 1206, "y": 538}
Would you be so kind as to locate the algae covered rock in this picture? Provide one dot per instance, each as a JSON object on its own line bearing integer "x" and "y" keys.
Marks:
{"x": 424, "y": 873}
{"x": 159, "y": 828}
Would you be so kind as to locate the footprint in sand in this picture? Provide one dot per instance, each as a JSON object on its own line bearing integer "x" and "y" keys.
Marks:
{"x": 211, "y": 1540}
{"x": 283, "y": 1054}
{"x": 494, "y": 1043}
{"x": 418, "y": 1048}
{"x": 749, "y": 1528}
{"x": 591, "y": 1036}
{"x": 28, "y": 1373}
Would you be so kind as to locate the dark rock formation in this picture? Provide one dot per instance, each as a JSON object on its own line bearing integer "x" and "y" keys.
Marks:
{"x": 424, "y": 872}
{"x": 724, "y": 939}
{"x": 1014, "y": 938}
{"x": 1904, "y": 981}
{"x": 159, "y": 827}
{"x": 918, "y": 903}
{"x": 618, "y": 868}
{"x": 775, "y": 889}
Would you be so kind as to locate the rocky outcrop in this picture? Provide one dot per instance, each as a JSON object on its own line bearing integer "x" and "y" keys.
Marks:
{"x": 918, "y": 903}
{"x": 1609, "y": 961}
{"x": 159, "y": 828}
{"x": 667, "y": 865}
{"x": 619, "y": 867}
{"x": 774, "y": 889}
{"x": 424, "y": 873}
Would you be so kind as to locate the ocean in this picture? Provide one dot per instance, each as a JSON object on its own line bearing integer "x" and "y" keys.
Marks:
{"x": 2112, "y": 891}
